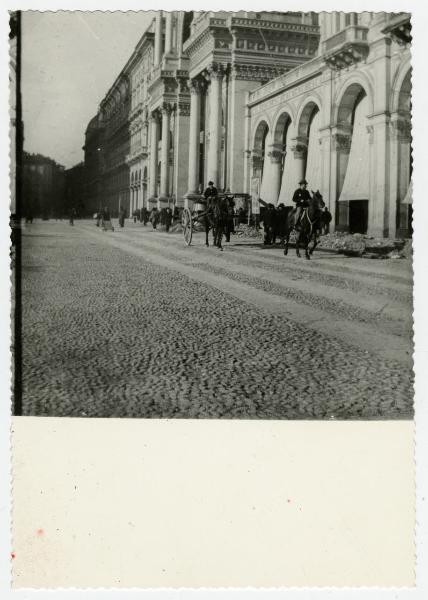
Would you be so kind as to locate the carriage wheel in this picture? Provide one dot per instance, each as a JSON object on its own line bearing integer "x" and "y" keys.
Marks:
{"x": 187, "y": 224}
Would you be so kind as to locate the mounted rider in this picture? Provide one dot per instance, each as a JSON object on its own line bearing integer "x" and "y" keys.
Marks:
{"x": 301, "y": 197}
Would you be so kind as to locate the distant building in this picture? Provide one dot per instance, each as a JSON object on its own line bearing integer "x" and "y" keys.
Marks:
{"x": 15, "y": 122}
{"x": 75, "y": 191}
{"x": 94, "y": 164}
{"x": 255, "y": 102}
{"x": 43, "y": 186}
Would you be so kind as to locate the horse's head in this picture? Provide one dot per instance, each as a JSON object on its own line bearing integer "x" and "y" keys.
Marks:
{"x": 318, "y": 200}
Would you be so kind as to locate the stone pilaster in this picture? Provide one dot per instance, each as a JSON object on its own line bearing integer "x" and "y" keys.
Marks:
{"x": 164, "y": 180}
{"x": 215, "y": 73}
{"x": 158, "y": 38}
{"x": 276, "y": 156}
{"x": 154, "y": 138}
{"x": 168, "y": 32}
{"x": 299, "y": 148}
{"x": 341, "y": 146}
{"x": 196, "y": 87}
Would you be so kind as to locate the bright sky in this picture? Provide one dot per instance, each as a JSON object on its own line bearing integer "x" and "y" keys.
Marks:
{"x": 69, "y": 61}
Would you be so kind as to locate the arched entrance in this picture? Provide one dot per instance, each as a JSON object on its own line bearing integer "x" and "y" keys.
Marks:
{"x": 306, "y": 151}
{"x": 258, "y": 163}
{"x": 353, "y": 162}
{"x": 283, "y": 157}
{"x": 402, "y": 132}
{"x": 313, "y": 160}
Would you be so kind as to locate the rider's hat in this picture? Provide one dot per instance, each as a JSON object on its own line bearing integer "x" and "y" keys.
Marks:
{"x": 303, "y": 181}
{"x": 211, "y": 183}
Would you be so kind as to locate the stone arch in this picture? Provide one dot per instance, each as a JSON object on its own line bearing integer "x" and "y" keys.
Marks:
{"x": 401, "y": 103}
{"x": 260, "y": 133}
{"x": 405, "y": 93}
{"x": 282, "y": 123}
{"x": 310, "y": 106}
{"x": 347, "y": 96}
{"x": 402, "y": 77}
{"x": 352, "y": 152}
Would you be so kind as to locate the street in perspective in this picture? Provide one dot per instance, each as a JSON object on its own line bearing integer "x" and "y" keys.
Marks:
{"x": 134, "y": 323}
{"x": 222, "y": 229}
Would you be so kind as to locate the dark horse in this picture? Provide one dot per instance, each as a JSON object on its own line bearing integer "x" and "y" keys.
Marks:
{"x": 215, "y": 218}
{"x": 310, "y": 225}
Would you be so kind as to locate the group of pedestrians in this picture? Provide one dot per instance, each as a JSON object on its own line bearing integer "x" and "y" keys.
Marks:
{"x": 163, "y": 217}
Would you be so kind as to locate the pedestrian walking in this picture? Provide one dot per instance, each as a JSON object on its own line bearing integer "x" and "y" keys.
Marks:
{"x": 154, "y": 217}
{"x": 122, "y": 214}
{"x": 168, "y": 219}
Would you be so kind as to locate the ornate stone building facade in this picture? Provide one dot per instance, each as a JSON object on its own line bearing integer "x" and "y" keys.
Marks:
{"x": 343, "y": 121}
{"x": 255, "y": 102}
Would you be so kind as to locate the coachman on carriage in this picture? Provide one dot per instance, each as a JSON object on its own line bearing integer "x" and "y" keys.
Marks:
{"x": 217, "y": 216}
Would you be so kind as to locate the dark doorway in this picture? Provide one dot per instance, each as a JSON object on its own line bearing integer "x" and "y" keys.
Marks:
{"x": 358, "y": 216}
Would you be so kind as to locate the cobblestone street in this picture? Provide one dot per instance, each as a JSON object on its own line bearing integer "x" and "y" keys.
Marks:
{"x": 132, "y": 323}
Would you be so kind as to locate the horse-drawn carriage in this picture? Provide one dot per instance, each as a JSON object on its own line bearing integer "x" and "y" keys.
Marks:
{"x": 214, "y": 214}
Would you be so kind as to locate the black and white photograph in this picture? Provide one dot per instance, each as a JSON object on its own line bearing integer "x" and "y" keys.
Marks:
{"x": 214, "y": 280}
{"x": 212, "y": 216}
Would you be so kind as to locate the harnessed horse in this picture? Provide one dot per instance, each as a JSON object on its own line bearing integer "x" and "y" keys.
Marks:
{"x": 215, "y": 218}
{"x": 309, "y": 226}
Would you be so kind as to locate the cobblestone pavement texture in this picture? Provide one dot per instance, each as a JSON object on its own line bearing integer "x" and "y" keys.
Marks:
{"x": 108, "y": 330}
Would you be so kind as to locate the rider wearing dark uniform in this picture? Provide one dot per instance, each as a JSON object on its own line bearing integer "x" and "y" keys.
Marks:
{"x": 301, "y": 197}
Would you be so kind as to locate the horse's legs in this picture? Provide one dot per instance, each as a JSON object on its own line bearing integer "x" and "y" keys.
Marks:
{"x": 287, "y": 239}
{"x": 297, "y": 244}
{"x": 207, "y": 228}
{"x": 311, "y": 251}
{"x": 219, "y": 236}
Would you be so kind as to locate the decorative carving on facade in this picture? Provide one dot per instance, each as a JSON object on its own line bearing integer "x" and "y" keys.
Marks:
{"x": 196, "y": 86}
{"x": 167, "y": 108}
{"x": 347, "y": 55}
{"x": 342, "y": 141}
{"x": 299, "y": 147}
{"x": 400, "y": 29}
{"x": 370, "y": 131}
{"x": 276, "y": 153}
{"x": 222, "y": 44}
{"x": 256, "y": 72}
{"x": 183, "y": 109}
{"x": 215, "y": 71}
{"x": 401, "y": 129}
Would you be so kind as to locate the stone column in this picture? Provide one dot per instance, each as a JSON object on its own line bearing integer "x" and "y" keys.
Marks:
{"x": 342, "y": 139}
{"x": 154, "y": 135}
{"x": 181, "y": 149}
{"x": 196, "y": 90}
{"x": 164, "y": 179}
{"x": 168, "y": 32}
{"x": 379, "y": 206}
{"x": 275, "y": 155}
{"x": 215, "y": 128}
{"x": 299, "y": 147}
{"x": 400, "y": 150}
{"x": 158, "y": 38}
{"x": 238, "y": 121}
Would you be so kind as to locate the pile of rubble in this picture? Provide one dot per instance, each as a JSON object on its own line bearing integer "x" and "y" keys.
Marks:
{"x": 358, "y": 244}
{"x": 349, "y": 244}
{"x": 249, "y": 232}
